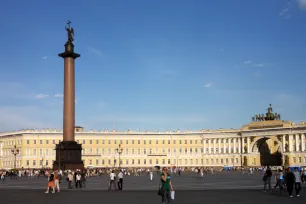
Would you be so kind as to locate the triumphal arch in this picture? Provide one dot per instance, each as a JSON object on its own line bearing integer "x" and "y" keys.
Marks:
{"x": 268, "y": 140}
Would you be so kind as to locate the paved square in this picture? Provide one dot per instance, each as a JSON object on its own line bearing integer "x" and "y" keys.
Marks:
{"x": 221, "y": 187}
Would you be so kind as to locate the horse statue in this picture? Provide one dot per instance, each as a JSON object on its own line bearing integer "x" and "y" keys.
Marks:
{"x": 262, "y": 117}
{"x": 253, "y": 119}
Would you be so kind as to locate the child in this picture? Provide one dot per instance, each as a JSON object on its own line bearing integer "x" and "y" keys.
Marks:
{"x": 51, "y": 184}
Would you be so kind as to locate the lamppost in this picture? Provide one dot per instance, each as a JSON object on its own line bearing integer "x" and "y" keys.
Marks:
{"x": 15, "y": 151}
{"x": 119, "y": 151}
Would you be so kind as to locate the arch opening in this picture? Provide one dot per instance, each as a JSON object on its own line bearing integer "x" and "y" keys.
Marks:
{"x": 270, "y": 153}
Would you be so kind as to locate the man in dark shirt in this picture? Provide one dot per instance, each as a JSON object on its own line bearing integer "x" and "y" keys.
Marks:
{"x": 290, "y": 181}
{"x": 267, "y": 178}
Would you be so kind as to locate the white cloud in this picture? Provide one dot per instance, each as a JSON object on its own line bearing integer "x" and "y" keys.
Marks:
{"x": 58, "y": 95}
{"x": 208, "y": 85}
{"x": 247, "y": 62}
{"x": 40, "y": 96}
{"x": 258, "y": 65}
{"x": 286, "y": 10}
{"x": 45, "y": 57}
{"x": 95, "y": 51}
{"x": 302, "y": 4}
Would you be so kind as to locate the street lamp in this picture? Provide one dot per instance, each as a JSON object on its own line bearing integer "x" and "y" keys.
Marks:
{"x": 119, "y": 151}
{"x": 15, "y": 151}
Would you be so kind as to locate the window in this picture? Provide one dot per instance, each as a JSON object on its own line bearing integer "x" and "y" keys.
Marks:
{"x": 28, "y": 162}
{"x": 34, "y": 163}
{"x": 40, "y": 162}
{"x": 185, "y": 141}
{"x": 207, "y": 161}
{"x": 47, "y": 141}
{"x": 115, "y": 142}
{"x": 138, "y": 151}
{"x": 222, "y": 150}
{"x": 186, "y": 161}
{"x": 190, "y": 141}
{"x": 97, "y": 162}
{"x": 174, "y": 141}
{"x": 47, "y": 152}
{"x": 150, "y": 151}
{"x": 202, "y": 150}
{"x": 212, "y": 161}
{"x": 103, "y": 160}
{"x": 83, "y": 141}
{"x": 144, "y": 142}
{"x": 127, "y": 142}
{"x": 190, "y": 161}
{"x": 109, "y": 142}
{"x": 156, "y": 141}
{"x": 190, "y": 150}
{"x": 53, "y": 141}
{"x": 163, "y": 141}
{"x": 232, "y": 160}
{"x": 97, "y": 151}
{"x": 211, "y": 150}
{"x": 196, "y": 150}
{"x": 40, "y": 141}
{"x": 126, "y": 151}
{"x": 226, "y": 160}
{"x": 180, "y": 141}
{"x": 156, "y": 162}
{"x": 185, "y": 150}
{"x": 109, "y": 162}
{"x": 169, "y": 161}
{"x": 103, "y": 142}
{"x": 28, "y": 152}
{"x": 28, "y": 141}
{"x": 34, "y": 152}
{"x": 90, "y": 162}
{"x": 34, "y": 141}
{"x": 132, "y": 151}
{"x": 138, "y": 161}
{"x": 150, "y": 161}
{"x": 109, "y": 151}
{"x": 196, "y": 142}
{"x": 236, "y": 160}
{"x": 138, "y": 141}
{"x": 132, "y": 141}
{"x": 163, "y": 161}
{"x": 120, "y": 141}
{"x": 97, "y": 141}
{"x": 163, "y": 150}
{"x": 47, "y": 163}
{"x": 132, "y": 161}
{"x": 40, "y": 152}
{"x": 90, "y": 151}
{"x": 217, "y": 161}
{"x": 300, "y": 159}
{"x": 150, "y": 142}
{"x": 169, "y": 151}
{"x": 168, "y": 141}
{"x": 217, "y": 150}
{"x": 180, "y": 150}
{"x": 144, "y": 151}
{"x": 221, "y": 161}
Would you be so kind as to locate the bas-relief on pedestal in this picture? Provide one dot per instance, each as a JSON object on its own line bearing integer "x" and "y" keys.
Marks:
{"x": 68, "y": 151}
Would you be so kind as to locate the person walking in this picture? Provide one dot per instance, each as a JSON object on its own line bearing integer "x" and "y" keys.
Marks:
{"x": 297, "y": 184}
{"x": 51, "y": 184}
{"x": 151, "y": 174}
{"x": 290, "y": 181}
{"x": 70, "y": 179}
{"x": 78, "y": 180}
{"x": 56, "y": 181}
{"x": 120, "y": 180}
{"x": 166, "y": 187}
{"x": 112, "y": 181}
{"x": 267, "y": 179}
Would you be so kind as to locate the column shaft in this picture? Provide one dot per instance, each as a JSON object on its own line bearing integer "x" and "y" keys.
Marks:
{"x": 69, "y": 99}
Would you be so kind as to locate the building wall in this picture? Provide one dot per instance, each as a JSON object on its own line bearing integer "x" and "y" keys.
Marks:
{"x": 147, "y": 149}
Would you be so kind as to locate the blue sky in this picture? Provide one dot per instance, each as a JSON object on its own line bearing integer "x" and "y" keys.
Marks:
{"x": 149, "y": 65}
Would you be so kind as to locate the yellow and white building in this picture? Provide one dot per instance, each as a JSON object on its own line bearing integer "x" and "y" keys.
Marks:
{"x": 255, "y": 144}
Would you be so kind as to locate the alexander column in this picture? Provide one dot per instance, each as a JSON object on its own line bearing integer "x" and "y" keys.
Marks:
{"x": 68, "y": 151}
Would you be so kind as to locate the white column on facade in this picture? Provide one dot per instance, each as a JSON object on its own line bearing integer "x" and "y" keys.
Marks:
{"x": 297, "y": 144}
{"x": 229, "y": 146}
{"x": 248, "y": 143}
{"x": 234, "y": 145}
{"x": 209, "y": 140}
{"x": 204, "y": 149}
{"x": 303, "y": 142}
{"x": 284, "y": 142}
{"x": 224, "y": 146}
{"x": 290, "y": 143}
{"x": 239, "y": 145}
{"x": 214, "y": 141}
{"x": 242, "y": 145}
{"x": 219, "y": 146}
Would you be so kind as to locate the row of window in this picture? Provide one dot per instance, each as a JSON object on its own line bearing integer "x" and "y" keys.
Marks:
{"x": 47, "y": 152}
